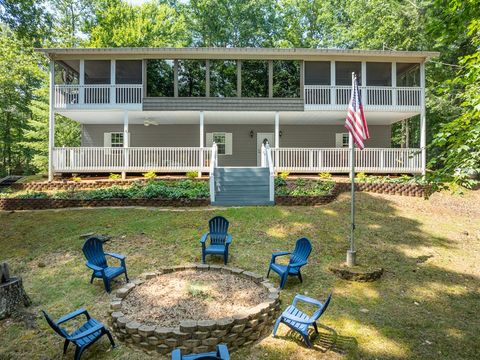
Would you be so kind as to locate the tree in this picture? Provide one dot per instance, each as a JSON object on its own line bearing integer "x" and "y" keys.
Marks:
{"x": 153, "y": 23}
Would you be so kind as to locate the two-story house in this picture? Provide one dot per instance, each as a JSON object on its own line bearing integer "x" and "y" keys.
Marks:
{"x": 161, "y": 109}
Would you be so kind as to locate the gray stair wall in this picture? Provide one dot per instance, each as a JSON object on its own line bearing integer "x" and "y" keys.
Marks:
{"x": 237, "y": 186}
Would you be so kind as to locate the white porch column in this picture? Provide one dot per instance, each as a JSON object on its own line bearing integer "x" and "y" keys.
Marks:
{"x": 81, "y": 83}
{"x": 202, "y": 143}
{"x": 277, "y": 137}
{"x": 333, "y": 91}
{"x": 126, "y": 143}
{"x": 423, "y": 120}
{"x": 364, "y": 83}
{"x": 394, "y": 83}
{"x": 51, "y": 122}
{"x": 112, "y": 82}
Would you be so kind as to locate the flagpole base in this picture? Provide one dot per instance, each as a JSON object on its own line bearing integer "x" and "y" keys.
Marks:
{"x": 351, "y": 258}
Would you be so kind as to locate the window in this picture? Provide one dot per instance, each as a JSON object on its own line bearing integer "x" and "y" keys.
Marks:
{"x": 317, "y": 73}
{"x": 341, "y": 140}
{"x": 116, "y": 139}
{"x": 254, "y": 78}
{"x": 128, "y": 72}
{"x": 343, "y": 72}
{"x": 286, "y": 79}
{"x": 408, "y": 74}
{"x": 379, "y": 74}
{"x": 160, "y": 78}
{"x": 219, "y": 139}
{"x": 97, "y": 72}
{"x": 223, "y": 78}
{"x": 192, "y": 78}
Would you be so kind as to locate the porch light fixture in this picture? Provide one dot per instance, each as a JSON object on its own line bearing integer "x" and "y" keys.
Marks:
{"x": 251, "y": 133}
{"x": 280, "y": 133}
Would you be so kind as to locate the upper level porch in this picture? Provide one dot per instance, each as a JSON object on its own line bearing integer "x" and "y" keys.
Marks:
{"x": 235, "y": 79}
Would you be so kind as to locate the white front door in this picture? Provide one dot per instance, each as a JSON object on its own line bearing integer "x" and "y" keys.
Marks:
{"x": 262, "y": 138}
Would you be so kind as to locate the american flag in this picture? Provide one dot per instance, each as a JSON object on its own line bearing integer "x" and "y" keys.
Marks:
{"x": 356, "y": 123}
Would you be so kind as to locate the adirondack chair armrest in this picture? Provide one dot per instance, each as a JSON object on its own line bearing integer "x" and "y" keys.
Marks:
{"x": 90, "y": 331}
{"x": 72, "y": 315}
{"x": 94, "y": 267}
{"x": 297, "y": 319}
{"x": 306, "y": 299}
{"x": 116, "y": 256}
{"x": 279, "y": 253}
{"x": 222, "y": 352}
{"x": 177, "y": 354}
{"x": 204, "y": 238}
{"x": 229, "y": 239}
{"x": 301, "y": 263}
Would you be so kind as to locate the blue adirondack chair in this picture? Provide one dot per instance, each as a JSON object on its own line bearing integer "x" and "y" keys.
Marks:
{"x": 220, "y": 354}
{"x": 93, "y": 251}
{"x": 298, "y": 320}
{"x": 220, "y": 239}
{"x": 298, "y": 258}
{"x": 84, "y": 336}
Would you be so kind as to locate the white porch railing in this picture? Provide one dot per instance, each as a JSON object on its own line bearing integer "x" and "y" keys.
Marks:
{"x": 133, "y": 159}
{"x": 84, "y": 95}
{"x": 325, "y": 97}
{"x": 336, "y": 160}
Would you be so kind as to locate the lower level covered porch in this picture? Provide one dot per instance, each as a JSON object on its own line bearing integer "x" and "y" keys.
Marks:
{"x": 181, "y": 141}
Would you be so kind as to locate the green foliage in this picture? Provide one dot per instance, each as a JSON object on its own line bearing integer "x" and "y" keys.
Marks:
{"x": 284, "y": 175}
{"x": 150, "y": 175}
{"x": 76, "y": 178}
{"x": 113, "y": 176}
{"x": 305, "y": 188}
{"x": 191, "y": 174}
{"x": 185, "y": 189}
{"x": 325, "y": 175}
{"x": 360, "y": 176}
{"x": 279, "y": 181}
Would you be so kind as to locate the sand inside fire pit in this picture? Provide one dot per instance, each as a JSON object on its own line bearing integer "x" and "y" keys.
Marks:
{"x": 167, "y": 299}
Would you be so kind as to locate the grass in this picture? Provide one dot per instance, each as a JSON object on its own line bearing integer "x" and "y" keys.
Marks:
{"x": 424, "y": 307}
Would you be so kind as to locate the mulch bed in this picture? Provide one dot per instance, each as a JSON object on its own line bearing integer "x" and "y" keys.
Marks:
{"x": 167, "y": 299}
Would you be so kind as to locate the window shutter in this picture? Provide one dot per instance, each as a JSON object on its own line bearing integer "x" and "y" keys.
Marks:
{"x": 228, "y": 144}
{"x": 339, "y": 140}
{"x": 209, "y": 140}
{"x": 107, "y": 139}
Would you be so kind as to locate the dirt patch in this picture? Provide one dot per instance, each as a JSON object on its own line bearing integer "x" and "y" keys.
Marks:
{"x": 191, "y": 295}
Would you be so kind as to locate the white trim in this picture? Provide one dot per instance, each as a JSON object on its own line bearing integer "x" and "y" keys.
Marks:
{"x": 51, "y": 121}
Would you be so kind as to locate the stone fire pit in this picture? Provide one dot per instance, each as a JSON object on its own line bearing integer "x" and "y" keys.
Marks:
{"x": 194, "y": 307}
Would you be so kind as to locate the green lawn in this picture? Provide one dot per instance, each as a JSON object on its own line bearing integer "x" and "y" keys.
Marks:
{"x": 425, "y": 306}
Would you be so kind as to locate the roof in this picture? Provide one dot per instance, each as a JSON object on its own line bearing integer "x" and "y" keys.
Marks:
{"x": 231, "y": 53}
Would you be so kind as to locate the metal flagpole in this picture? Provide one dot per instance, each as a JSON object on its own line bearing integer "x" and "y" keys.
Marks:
{"x": 351, "y": 253}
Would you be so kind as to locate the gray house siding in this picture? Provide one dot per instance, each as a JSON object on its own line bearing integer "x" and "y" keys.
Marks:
{"x": 244, "y": 147}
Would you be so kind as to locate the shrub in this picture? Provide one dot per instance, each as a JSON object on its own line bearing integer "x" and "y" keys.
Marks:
{"x": 32, "y": 195}
{"x": 76, "y": 178}
{"x": 361, "y": 176}
{"x": 113, "y": 176}
{"x": 325, "y": 175}
{"x": 301, "y": 182}
{"x": 283, "y": 175}
{"x": 307, "y": 188}
{"x": 279, "y": 181}
{"x": 150, "y": 175}
{"x": 191, "y": 174}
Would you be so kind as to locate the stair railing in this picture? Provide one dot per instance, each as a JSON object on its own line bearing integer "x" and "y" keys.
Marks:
{"x": 263, "y": 156}
{"x": 269, "y": 163}
{"x": 213, "y": 165}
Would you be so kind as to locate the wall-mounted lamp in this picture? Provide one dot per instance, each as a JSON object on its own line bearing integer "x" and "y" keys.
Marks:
{"x": 251, "y": 133}
{"x": 280, "y": 133}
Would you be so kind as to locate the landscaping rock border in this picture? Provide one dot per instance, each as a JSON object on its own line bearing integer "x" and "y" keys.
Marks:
{"x": 10, "y": 204}
{"x": 197, "y": 336}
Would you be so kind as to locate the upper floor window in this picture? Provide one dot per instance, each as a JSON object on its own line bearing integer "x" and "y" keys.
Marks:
{"x": 254, "y": 78}
{"x": 160, "y": 78}
{"x": 97, "y": 72}
{"x": 379, "y": 74}
{"x": 191, "y": 78}
{"x": 343, "y": 72}
{"x": 128, "y": 72}
{"x": 67, "y": 72}
{"x": 223, "y": 78}
{"x": 286, "y": 78}
{"x": 408, "y": 74}
{"x": 317, "y": 73}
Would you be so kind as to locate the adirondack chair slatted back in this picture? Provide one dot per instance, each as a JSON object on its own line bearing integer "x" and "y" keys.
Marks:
{"x": 320, "y": 311}
{"x": 54, "y": 325}
{"x": 93, "y": 250}
{"x": 218, "y": 230}
{"x": 302, "y": 251}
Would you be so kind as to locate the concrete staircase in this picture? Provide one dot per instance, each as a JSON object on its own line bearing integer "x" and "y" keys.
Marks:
{"x": 237, "y": 186}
